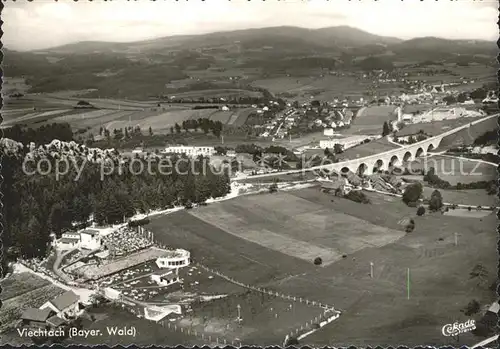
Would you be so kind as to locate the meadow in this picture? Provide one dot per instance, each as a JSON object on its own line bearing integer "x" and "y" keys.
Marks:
{"x": 219, "y": 235}
{"x": 455, "y": 170}
{"x": 371, "y": 148}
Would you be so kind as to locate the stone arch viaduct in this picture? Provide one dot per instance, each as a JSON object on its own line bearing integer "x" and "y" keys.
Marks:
{"x": 382, "y": 161}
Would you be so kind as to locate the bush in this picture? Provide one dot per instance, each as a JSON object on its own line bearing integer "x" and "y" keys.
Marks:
{"x": 420, "y": 211}
{"x": 273, "y": 188}
{"x": 139, "y": 222}
{"x": 291, "y": 341}
{"x": 318, "y": 261}
{"x": 410, "y": 227}
{"x": 436, "y": 201}
{"x": 472, "y": 308}
{"x": 412, "y": 193}
{"x": 357, "y": 196}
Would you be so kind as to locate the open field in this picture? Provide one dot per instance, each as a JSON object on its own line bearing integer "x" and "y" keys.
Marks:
{"x": 437, "y": 127}
{"x": 367, "y": 149}
{"x": 215, "y": 93}
{"x": 280, "y": 223}
{"x": 439, "y": 270}
{"x": 216, "y": 249}
{"x": 468, "y": 135}
{"x": 222, "y": 116}
{"x": 325, "y": 87}
{"x": 473, "y": 197}
{"x": 439, "y": 274}
{"x": 239, "y": 118}
{"x": 265, "y": 319}
{"x": 21, "y": 291}
{"x": 455, "y": 170}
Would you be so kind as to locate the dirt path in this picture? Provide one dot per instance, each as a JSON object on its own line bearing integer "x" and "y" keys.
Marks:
{"x": 84, "y": 293}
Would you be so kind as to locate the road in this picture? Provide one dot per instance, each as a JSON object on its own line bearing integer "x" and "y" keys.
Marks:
{"x": 84, "y": 293}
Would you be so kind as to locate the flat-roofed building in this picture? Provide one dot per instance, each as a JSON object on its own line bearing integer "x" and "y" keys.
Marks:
{"x": 190, "y": 150}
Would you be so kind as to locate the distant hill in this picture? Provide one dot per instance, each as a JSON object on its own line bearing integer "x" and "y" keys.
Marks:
{"x": 143, "y": 68}
{"x": 432, "y": 48}
{"x": 279, "y": 37}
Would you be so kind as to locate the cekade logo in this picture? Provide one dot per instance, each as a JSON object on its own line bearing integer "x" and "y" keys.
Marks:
{"x": 456, "y": 328}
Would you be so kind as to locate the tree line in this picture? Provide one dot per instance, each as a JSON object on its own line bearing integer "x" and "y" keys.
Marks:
{"x": 42, "y": 204}
{"x": 41, "y": 135}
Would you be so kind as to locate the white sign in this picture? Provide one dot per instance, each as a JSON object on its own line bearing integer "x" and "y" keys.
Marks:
{"x": 456, "y": 328}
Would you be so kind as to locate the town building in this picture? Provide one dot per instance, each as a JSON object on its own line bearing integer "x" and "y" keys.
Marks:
{"x": 346, "y": 143}
{"x": 64, "y": 306}
{"x": 190, "y": 150}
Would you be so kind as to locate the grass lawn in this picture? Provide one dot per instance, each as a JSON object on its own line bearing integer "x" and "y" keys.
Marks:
{"x": 367, "y": 149}
{"x": 243, "y": 260}
{"x": 455, "y": 170}
{"x": 440, "y": 283}
{"x": 294, "y": 226}
{"x": 471, "y": 197}
{"x": 266, "y": 319}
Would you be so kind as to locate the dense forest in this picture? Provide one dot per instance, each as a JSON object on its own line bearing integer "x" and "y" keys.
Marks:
{"x": 39, "y": 205}
{"x": 41, "y": 135}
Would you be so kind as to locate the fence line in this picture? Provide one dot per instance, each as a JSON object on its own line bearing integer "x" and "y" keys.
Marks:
{"x": 326, "y": 307}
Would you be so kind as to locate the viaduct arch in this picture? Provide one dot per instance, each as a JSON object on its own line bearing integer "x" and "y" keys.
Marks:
{"x": 384, "y": 161}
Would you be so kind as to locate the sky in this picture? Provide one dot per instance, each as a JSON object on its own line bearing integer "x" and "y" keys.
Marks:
{"x": 46, "y": 23}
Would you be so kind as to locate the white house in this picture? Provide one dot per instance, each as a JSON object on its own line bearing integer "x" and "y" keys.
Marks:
{"x": 111, "y": 293}
{"x": 190, "y": 150}
{"x": 265, "y": 108}
{"x": 328, "y": 132}
{"x": 165, "y": 278}
{"x": 90, "y": 239}
{"x": 65, "y": 305}
{"x": 68, "y": 241}
{"x": 225, "y": 108}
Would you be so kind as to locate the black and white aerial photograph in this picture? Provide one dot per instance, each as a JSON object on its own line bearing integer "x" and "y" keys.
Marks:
{"x": 250, "y": 173}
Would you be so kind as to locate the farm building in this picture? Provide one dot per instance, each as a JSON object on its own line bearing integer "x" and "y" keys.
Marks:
{"x": 64, "y": 306}
{"x": 36, "y": 318}
{"x": 190, "y": 150}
